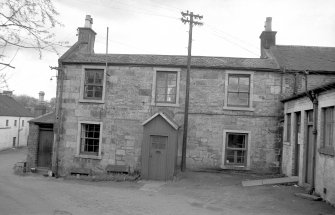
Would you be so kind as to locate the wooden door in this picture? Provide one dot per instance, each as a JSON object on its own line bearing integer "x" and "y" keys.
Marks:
{"x": 45, "y": 148}
{"x": 309, "y": 149}
{"x": 297, "y": 146}
{"x": 157, "y": 157}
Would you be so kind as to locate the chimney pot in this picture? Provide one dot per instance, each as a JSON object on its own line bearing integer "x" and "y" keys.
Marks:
{"x": 88, "y": 21}
{"x": 268, "y": 24}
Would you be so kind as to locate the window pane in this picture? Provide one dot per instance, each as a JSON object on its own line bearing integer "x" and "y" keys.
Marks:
{"x": 230, "y": 156}
{"x": 160, "y": 98}
{"x": 244, "y": 84}
{"x": 238, "y": 99}
{"x": 236, "y": 141}
{"x": 288, "y": 131}
{"x": 233, "y": 84}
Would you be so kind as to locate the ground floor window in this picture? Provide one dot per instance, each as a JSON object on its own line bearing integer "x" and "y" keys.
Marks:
{"x": 90, "y": 139}
{"x": 236, "y": 149}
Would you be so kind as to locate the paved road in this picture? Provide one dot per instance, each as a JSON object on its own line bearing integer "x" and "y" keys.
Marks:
{"x": 195, "y": 193}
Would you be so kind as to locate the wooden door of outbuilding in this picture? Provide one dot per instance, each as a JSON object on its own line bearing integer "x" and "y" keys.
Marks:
{"x": 45, "y": 143}
{"x": 159, "y": 148}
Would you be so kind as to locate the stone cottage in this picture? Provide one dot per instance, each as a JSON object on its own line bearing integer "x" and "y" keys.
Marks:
{"x": 103, "y": 100}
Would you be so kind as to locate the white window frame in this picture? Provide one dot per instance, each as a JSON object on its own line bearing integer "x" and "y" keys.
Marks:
{"x": 223, "y": 163}
{"x": 251, "y": 92}
{"x": 153, "y": 94}
{"x": 79, "y": 136}
{"x": 82, "y": 99}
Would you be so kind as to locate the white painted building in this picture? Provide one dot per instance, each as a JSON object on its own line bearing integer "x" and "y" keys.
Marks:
{"x": 14, "y": 126}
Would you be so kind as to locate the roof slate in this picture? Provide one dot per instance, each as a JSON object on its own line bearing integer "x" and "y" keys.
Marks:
{"x": 48, "y": 118}
{"x": 301, "y": 58}
{"x": 10, "y": 107}
{"x": 174, "y": 61}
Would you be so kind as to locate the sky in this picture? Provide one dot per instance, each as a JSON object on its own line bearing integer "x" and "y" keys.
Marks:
{"x": 231, "y": 28}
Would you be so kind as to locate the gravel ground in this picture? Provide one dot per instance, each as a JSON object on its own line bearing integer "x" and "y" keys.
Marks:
{"x": 191, "y": 193}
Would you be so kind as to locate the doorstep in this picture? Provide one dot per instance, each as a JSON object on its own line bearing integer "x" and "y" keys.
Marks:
{"x": 250, "y": 183}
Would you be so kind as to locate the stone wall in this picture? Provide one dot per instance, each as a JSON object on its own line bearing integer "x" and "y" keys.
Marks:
{"x": 128, "y": 104}
{"x": 32, "y": 145}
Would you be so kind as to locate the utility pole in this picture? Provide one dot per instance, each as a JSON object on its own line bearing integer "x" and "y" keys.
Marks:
{"x": 188, "y": 17}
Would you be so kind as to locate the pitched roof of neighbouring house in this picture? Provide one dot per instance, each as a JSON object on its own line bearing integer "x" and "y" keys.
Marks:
{"x": 48, "y": 118}
{"x": 165, "y": 117}
{"x": 10, "y": 107}
{"x": 311, "y": 58}
{"x": 173, "y": 61}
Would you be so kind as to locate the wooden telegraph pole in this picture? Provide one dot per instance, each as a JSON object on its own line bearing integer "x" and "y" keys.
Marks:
{"x": 188, "y": 17}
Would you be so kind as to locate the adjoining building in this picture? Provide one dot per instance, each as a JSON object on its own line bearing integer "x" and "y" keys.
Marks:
{"x": 14, "y": 119}
{"x": 308, "y": 150}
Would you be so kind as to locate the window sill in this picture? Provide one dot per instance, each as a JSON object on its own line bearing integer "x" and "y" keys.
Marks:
{"x": 236, "y": 167}
{"x": 165, "y": 104}
{"x": 327, "y": 151}
{"x": 287, "y": 143}
{"x": 239, "y": 108}
{"x": 91, "y": 101}
{"x": 89, "y": 157}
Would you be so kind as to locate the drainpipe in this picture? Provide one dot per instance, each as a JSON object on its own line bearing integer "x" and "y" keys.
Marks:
{"x": 58, "y": 124}
{"x": 314, "y": 99}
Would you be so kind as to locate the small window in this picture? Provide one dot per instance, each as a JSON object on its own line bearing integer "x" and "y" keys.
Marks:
{"x": 22, "y": 123}
{"x": 90, "y": 139}
{"x": 7, "y": 122}
{"x": 166, "y": 87}
{"x": 238, "y": 90}
{"x": 236, "y": 149}
{"x": 93, "y": 84}
{"x": 328, "y": 127}
{"x": 288, "y": 127}
{"x": 298, "y": 120}
{"x": 14, "y": 141}
{"x": 15, "y": 122}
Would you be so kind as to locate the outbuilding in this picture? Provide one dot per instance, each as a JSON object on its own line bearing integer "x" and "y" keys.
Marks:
{"x": 159, "y": 147}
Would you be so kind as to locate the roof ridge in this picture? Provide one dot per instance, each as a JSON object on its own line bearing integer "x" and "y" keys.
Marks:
{"x": 200, "y": 56}
{"x": 304, "y": 46}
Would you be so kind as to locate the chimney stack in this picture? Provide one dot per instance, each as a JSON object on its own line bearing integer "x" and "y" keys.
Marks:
{"x": 41, "y": 97}
{"x": 40, "y": 108}
{"x": 268, "y": 37}
{"x": 86, "y": 36}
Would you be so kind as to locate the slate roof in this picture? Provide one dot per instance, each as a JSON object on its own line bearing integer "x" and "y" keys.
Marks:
{"x": 174, "y": 61}
{"x": 318, "y": 89}
{"x": 48, "y": 118}
{"x": 312, "y": 58}
{"x": 10, "y": 107}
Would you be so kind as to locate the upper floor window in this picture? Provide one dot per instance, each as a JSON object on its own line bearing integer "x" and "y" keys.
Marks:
{"x": 93, "y": 84}
{"x": 15, "y": 122}
{"x": 22, "y": 123}
{"x": 166, "y": 87}
{"x": 239, "y": 89}
{"x": 7, "y": 122}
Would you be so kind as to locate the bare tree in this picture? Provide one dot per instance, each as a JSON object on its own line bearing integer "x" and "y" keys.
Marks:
{"x": 26, "y": 24}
